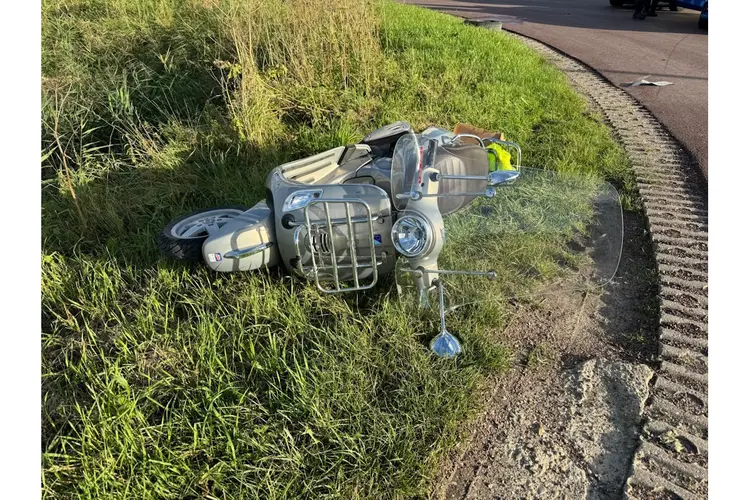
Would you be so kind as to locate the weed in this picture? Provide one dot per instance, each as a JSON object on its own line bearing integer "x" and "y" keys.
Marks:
{"x": 540, "y": 355}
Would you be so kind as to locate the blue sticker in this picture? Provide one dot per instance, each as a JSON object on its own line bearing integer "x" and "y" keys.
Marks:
{"x": 378, "y": 239}
{"x": 218, "y": 257}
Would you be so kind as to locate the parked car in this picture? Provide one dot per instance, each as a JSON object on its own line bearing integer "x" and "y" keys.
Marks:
{"x": 701, "y": 5}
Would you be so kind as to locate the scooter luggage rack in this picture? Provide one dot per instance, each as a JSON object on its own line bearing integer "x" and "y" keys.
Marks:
{"x": 358, "y": 263}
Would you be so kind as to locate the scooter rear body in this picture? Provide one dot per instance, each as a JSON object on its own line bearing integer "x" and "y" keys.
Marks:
{"x": 326, "y": 217}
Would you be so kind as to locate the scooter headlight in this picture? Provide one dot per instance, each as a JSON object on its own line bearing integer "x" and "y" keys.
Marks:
{"x": 411, "y": 235}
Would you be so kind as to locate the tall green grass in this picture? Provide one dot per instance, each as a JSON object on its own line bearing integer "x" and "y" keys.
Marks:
{"x": 166, "y": 381}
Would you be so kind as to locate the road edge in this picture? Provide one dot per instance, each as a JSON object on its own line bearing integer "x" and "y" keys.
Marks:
{"x": 672, "y": 457}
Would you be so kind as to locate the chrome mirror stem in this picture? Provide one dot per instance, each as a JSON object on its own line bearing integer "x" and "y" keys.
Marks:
{"x": 440, "y": 177}
{"x": 420, "y": 271}
{"x": 490, "y": 192}
{"x": 445, "y": 344}
{"x": 494, "y": 179}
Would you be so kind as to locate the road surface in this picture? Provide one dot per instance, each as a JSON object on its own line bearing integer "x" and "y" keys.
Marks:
{"x": 668, "y": 47}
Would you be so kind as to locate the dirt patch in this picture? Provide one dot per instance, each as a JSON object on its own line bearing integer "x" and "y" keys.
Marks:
{"x": 565, "y": 422}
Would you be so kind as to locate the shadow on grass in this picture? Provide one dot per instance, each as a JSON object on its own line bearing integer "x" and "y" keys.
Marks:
{"x": 125, "y": 208}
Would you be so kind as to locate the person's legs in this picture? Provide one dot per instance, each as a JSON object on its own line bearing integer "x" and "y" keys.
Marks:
{"x": 641, "y": 6}
{"x": 652, "y": 10}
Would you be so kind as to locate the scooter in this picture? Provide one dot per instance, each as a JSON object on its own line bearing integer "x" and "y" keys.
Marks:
{"x": 345, "y": 217}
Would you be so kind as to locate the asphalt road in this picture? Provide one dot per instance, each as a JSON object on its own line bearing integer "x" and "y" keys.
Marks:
{"x": 668, "y": 47}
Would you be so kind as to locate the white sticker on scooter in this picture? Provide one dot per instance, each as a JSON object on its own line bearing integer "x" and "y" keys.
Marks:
{"x": 214, "y": 257}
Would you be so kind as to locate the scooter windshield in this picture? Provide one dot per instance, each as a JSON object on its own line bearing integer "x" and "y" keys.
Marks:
{"x": 546, "y": 231}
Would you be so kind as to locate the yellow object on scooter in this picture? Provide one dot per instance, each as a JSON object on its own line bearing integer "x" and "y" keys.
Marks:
{"x": 502, "y": 154}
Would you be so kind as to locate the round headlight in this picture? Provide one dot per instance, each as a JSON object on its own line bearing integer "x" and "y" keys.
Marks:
{"x": 411, "y": 235}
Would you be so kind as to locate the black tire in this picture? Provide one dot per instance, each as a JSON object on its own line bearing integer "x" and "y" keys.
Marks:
{"x": 703, "y": 20}
{"x": 186, "y": 249}
{"x": 616, "y": 3}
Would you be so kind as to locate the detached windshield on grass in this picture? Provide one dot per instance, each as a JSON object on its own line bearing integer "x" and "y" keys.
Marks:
{"x": 162, "y": 380}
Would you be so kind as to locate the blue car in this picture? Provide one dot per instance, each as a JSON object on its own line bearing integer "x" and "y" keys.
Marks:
{"x": 701, "y": 5}
{"x": 703, "y": 20}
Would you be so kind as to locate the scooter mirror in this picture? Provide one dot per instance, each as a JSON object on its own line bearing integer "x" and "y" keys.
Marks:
{"x": 445, "y": 344}
{"x": 503, "y": 177}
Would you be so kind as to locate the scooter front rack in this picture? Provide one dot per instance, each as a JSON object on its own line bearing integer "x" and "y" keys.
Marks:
{"x": 326, "y": 268}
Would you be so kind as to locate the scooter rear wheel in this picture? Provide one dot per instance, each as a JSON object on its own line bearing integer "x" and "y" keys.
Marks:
{"x": 182, "y": 238}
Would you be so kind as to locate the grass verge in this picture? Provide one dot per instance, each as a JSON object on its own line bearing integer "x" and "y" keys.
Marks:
{"x": 166, "y": 381}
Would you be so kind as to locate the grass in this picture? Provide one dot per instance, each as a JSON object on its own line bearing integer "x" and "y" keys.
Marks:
{"x": 539, "y": 356}
{"x": 166, "y": 381}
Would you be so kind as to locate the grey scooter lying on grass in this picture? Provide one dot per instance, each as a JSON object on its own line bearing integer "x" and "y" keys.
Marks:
{"x": 346, "y": 217}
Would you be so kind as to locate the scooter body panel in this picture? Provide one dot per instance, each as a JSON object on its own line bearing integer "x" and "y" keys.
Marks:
{"x": 246, "y": 243}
